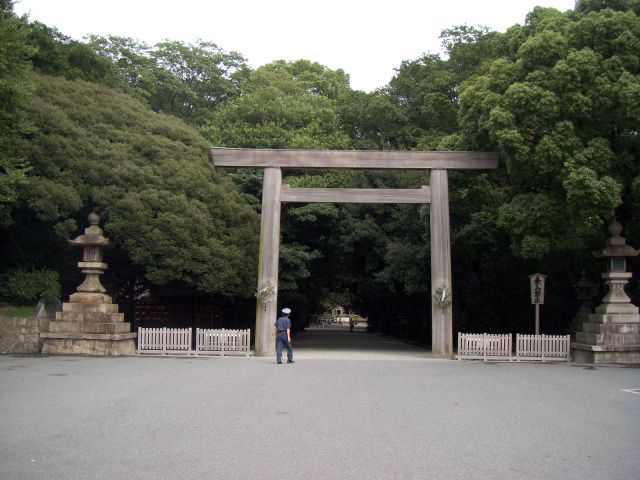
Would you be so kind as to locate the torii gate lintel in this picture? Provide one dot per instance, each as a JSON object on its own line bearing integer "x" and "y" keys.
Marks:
{"x": 274, "y": 193}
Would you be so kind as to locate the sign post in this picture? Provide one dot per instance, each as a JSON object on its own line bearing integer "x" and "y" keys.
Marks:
{"x": 537, "y": 295}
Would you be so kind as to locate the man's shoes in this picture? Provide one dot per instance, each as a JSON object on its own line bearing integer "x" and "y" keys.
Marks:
{"x": 279, "y": 363}
{"x": 290, "y": 361}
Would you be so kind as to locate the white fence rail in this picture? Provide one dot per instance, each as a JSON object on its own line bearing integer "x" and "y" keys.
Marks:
{"x": 484, "y": 346}
{"x": 178, "y": 341}
{"x": 164, "y": 341}
{"x": 222, "y": 342}
{"x": 543, "y": 347}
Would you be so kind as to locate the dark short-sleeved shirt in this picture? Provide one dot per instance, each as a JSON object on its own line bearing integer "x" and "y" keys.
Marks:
{"x": 282, "y": 324}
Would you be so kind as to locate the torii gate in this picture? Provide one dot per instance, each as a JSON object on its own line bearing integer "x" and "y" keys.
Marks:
{"x": 274, "y": 193}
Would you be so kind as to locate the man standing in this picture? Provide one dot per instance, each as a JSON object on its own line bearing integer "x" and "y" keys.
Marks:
{"x": 283, "y": 336}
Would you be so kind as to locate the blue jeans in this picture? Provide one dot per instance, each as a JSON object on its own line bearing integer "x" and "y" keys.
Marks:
{"x": 283, "y": 341}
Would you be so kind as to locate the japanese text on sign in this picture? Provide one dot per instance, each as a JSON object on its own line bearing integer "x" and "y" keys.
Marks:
{"x": 537, "y": 288}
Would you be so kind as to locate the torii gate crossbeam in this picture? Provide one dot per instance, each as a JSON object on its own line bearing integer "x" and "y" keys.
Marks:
{"x": 274, "y": 193}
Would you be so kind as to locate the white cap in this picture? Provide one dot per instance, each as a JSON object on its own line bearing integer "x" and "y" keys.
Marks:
{"x": 286, "y": 311}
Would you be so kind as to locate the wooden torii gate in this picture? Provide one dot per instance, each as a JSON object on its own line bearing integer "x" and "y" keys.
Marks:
{"x": 274, "y": 193}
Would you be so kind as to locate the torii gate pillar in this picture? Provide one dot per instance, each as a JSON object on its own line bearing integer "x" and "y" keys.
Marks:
{"x": 266, "y": 307}
{"x": 441, "y": 318}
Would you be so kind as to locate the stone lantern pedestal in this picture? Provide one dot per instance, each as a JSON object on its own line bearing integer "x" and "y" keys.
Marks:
{"x": 90, "y": 323}
{"x": 612, "y": 333}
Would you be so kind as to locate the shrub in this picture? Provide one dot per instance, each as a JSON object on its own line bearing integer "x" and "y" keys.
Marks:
{"x": 26, "y": 287}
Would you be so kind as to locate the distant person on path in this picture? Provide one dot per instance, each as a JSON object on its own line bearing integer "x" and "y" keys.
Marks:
{"x": 283, "y": 336}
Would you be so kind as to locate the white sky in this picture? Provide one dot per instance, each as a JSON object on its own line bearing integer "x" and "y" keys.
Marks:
{"x": 368, "y": 39}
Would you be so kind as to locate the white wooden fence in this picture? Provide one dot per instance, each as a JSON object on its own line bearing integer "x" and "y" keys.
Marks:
{"x": 222, "y": 342}
{"x": 484, "y": 346}
{"x": 177, "y": 341}
{"x": 543, "y": 347}
{"x": 164, "y": 341}
{"x": 528, "y": 347}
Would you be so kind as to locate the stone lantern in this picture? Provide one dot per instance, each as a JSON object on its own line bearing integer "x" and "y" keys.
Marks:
{"x": 90, "y": 323}
{"x": 612, "y": 333}
{"x": 616, "y": 276}
{"x": 91, "y": 265}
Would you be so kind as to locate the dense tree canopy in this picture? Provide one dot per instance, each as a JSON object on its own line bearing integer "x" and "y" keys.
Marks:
{"x": 284, "y": 105}
{"x": 563, "y": 113}
{"x": 175, "y": 218}
{"x": 14, "y": 89}
{"x": 185, "y": 80}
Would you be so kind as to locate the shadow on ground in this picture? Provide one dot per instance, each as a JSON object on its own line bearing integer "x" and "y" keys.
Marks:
{"x": 339, "y": 342}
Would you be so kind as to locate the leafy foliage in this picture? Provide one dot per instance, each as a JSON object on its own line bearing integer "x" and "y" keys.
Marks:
{"x": 27, "y": 287}
{"x": 148, "y": 174}
{"x": 557, "y": 114}
{"x": 185, "y": 80}
{"x": 14, "y": 90}
{"x": 284, "y": 105}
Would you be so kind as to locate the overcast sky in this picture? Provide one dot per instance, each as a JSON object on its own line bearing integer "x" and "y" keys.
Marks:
{"x": 367, "y": 39}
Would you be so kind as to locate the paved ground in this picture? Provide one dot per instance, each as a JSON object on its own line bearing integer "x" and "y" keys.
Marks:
{"x": 353, "y": 406}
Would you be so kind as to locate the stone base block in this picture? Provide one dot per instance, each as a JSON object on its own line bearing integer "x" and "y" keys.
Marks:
{"x": 633, "y": 328}
{"x": 589, "y": 356}
{"x": 613, "y": 339}
{"x": 91, "y": 336}
{"x": 92, "y": 327}
{"x": 85, "y": 297}
{"x": 90, "y": 307}
{"x": 89, "y": 317}
{"x": 617, "y": 309}
{"x": 89, "y": 346}
{"x": 614, "y": 318}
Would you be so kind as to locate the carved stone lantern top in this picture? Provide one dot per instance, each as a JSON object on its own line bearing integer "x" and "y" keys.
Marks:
{"x": 616, "y": 244}
{"x": 92, "y": 234}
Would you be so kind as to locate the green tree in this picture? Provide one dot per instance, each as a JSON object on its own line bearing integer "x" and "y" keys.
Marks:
{"x": 173, "y": 77}
{"x": 15, "y": 88}
{"x": 193, "y": 80}
{"x": 468, "y": 47}
{"x": 597, "y": 5}
{"x": 54, "y": 53}
{"x": 425, "y": 91}
{"x": 559, "y": 114}
{"x": 172, "y": 217}
{"x": 136, "y": 67}
{"x": 374, "y": 121}
{"x": 283, "y": 105}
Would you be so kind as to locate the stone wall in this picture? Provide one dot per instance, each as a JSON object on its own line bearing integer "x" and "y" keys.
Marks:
{"x": 22, "y": 334}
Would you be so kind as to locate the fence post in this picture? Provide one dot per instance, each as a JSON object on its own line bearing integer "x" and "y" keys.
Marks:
{"x": 484, "y": 347}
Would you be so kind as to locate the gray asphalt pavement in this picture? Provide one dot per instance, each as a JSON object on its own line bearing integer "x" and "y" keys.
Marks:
{"x": 353, "y": 406}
